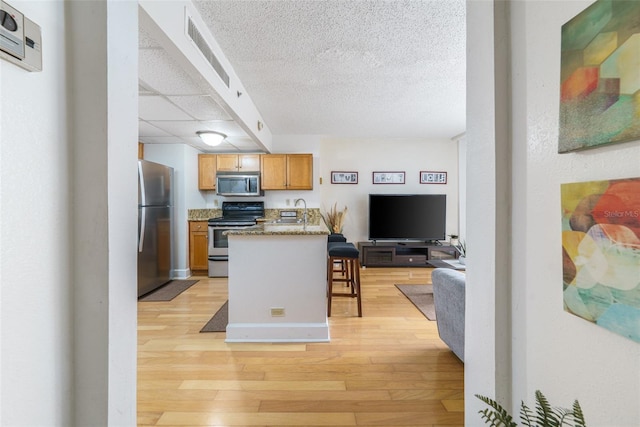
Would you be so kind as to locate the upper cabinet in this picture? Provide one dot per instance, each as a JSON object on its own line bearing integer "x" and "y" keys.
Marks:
{"x": 286, "y": 171}
{"x": 207, "y": 171}
{"x": 277, "y": 171}
{"x": 238, "y": 162}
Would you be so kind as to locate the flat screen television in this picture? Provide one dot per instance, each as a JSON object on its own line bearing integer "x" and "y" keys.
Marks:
{"x": 407, "y": 217}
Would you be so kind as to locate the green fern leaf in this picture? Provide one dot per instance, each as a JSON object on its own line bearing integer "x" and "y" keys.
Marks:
{"x": 497, "y": 417}
{"x": 578, "y": 415}
{"x": 526, "y": 415}
{"x": 546, "y": 416}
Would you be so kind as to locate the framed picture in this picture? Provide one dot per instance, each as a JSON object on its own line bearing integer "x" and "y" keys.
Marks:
{"x": 388, "y": 177}
{"x": 599, "y": 78}
{"x": 340, "y": 177}
{"x": 600, "y": 258}
{"x": 431, "y": 177}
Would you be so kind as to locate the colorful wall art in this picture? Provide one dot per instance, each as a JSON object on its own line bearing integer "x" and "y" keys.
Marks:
{"x": 601, "y": 253}
{"x": 600, "y": 76}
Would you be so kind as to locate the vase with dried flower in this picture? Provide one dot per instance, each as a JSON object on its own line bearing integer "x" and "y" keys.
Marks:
{"x": 334, "y": 218}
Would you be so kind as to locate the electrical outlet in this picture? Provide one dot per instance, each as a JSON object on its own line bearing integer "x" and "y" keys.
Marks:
{"x": 277, "y": 311}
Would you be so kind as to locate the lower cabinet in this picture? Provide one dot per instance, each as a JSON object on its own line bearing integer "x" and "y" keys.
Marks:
{"x": 198, "y": 242}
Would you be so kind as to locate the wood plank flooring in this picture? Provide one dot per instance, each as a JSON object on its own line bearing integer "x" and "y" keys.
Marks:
{"x": 388, "y": 368}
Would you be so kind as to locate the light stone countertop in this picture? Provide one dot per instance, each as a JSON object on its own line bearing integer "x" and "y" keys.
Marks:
{"x": 203, "y": 214}
{"x": 313, "y": 214}
{"x": 270, "y": 229}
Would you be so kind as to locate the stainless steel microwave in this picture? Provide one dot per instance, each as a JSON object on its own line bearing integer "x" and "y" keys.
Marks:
{"x": 238, "y": 184}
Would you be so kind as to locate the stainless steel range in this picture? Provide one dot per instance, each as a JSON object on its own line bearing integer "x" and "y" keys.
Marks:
{"x": 234, "y": 215}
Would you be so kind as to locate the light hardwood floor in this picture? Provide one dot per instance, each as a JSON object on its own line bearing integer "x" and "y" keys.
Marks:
{"x": 388, "y": 368}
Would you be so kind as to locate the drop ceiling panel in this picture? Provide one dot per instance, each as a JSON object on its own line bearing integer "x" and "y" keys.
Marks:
{"x": 146, "y": 129}
{"x": 173, "y": 107}
{"x": 159, "y": 108}
{"x": 200, "y": 107}
{"x": 161, "y": 140}
{"x": 242, "y": 143}
{"x": 188, "y": 128}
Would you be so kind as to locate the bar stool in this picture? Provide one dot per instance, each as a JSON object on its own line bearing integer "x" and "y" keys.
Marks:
{"x": 349, "y": 255}
{"x": 332, "y": 239}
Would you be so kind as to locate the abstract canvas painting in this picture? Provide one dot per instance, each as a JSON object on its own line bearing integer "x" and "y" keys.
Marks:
{"x": 601, "y": 253}
{"x": 600, "y": 76}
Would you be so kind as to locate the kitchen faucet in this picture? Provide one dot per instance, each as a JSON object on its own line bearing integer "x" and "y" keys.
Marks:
{"x": 305, "y": 209}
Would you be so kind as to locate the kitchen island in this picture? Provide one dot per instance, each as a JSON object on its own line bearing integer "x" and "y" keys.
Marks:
{"x": 277, "y": 283}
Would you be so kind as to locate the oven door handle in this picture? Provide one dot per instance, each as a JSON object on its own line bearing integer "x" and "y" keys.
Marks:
{"x": 218, "y": 258}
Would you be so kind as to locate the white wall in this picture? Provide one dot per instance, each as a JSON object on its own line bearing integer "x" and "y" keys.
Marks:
{"x": 560, "y": 354}
{"x": 104, "y": 98}
{"x": 36, "y": 289}
{"x": 580, "y": 360}
{"x": 68, "y": 220}
{"x": 368, "y": 155}
{"x": 487, "y": 347}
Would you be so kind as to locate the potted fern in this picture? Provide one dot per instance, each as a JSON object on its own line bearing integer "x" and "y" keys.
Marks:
{"x": 544, "y": 415}
{"x": 461, "y": 247}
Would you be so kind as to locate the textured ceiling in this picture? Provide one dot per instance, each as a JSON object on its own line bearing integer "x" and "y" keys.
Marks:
{"x": 348, "y": 68}
{"x": 340, "y": 68}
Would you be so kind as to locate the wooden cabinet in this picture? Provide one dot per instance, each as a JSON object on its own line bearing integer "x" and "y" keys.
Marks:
{"x": 273, "y": 171}
{"x": 300, "y": 171}
{"x": 238, "y": 162}
{"x": 394, "y": 254}
{"x": 207, "y": 171}
{"x": 198, "y": 242}
{"x": 286, "y": 171}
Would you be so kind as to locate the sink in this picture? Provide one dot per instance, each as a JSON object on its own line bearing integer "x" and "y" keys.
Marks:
{"x": 286, "y": 221}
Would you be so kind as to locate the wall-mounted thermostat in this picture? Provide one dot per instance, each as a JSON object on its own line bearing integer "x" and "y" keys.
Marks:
{"x": 20, "y": 39}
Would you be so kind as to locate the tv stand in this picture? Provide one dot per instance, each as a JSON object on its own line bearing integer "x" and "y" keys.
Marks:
{"x": 403, "y": 254}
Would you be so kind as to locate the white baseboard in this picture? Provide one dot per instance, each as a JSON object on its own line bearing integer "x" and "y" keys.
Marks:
{"x": 277, "y": 332}
{"x": 181, "y": 273}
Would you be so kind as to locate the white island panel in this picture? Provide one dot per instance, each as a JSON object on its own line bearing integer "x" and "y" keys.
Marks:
{"x": 277, "y": 272}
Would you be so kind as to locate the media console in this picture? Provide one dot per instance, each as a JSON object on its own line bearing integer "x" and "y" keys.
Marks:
{"x": 403, "y": 254}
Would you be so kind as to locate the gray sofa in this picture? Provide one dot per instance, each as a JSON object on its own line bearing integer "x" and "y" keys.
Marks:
{"x": 448, "y": 300}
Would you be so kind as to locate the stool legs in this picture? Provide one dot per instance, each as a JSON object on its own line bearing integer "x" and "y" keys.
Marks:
{"x": 352, "y": 279}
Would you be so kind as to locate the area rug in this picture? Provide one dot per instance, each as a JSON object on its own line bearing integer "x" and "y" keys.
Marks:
{"x": 422, "y": 297}
{"x": 169, "y": 291}
{"x": 218, "y": 323}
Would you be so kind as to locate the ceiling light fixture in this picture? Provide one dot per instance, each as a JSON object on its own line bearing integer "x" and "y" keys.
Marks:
{"x": 211, "y": 137}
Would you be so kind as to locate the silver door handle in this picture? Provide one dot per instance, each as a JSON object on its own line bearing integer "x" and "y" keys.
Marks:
{"x": 142, "y": 225}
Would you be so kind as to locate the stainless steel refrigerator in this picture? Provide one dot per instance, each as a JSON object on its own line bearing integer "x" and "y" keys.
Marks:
{"x": 155, "y": 225}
